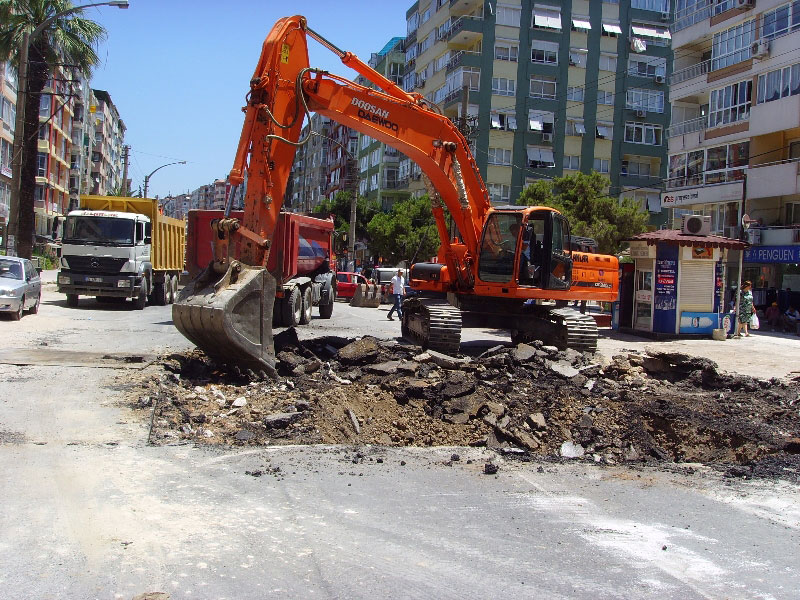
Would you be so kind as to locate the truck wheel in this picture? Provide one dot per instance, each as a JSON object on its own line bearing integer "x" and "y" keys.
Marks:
{"x": 160, "y": 293}
{"x": 308, "y": 304}
{"x": 292, "y": 308}
{"x": 326, "y": 310}
{"x": 72, "y": 300}
{"x": 141, "y": 301}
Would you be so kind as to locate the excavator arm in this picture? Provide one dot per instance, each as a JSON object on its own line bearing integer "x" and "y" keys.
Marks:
{"x": 227, "y": 310}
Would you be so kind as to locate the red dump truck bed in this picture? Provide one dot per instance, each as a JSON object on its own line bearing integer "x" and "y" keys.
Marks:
{"x": 300, "y": 246}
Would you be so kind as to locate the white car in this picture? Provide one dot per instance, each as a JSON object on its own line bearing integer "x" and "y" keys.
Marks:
{"x": 20, "y": 287}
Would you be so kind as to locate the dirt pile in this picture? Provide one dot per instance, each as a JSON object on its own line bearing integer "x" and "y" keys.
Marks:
{"x": 526, "y": 400}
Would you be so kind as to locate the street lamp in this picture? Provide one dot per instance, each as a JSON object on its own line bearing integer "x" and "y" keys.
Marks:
{"x": 22, "y": 91}
{"x": 147, "y": 177}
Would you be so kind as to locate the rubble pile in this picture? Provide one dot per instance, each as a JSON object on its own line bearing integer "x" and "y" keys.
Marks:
{"x": 527, "y": 400}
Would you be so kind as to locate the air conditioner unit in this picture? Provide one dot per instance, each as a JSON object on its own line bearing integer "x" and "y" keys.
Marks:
{"x": 745, "y": 4}
{"x": 641, "y": 113}
{"x": 659, "y": 79}
{"x": 547, "y": 137}
{"x": 696, "y": 225}
{"x": 754, "y": 236}
{"x": 665, "y": 17}
{"x": 760, "y": 49}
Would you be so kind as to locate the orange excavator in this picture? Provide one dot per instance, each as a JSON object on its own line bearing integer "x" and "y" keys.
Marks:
{"x": 505, "y": 267}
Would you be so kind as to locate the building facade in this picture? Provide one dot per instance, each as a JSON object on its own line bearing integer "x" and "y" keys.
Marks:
{"x": 310, "y": 170}
{"x": 551, "y": 88}
{"x": 106, "y": 151}
{"x": 734, "y": 141}
{"x": 8, "y": 115}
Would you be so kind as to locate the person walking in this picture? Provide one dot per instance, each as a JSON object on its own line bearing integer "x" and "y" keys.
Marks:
{"x": 745, "y": 309}
{"x": 398, "y": 291}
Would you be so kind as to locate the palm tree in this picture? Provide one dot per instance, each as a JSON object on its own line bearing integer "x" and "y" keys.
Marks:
{"x": 67, "y": 39}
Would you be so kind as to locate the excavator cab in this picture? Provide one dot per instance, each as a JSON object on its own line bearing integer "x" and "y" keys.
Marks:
{"x": 529, "y": 248}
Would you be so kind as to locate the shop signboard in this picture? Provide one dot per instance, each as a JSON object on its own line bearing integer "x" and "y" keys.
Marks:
{"x": 772, "y": 254}
{"x": 665, "y": 289}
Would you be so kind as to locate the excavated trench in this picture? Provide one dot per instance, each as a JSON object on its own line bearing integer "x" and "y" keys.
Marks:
{"x": 527, "y": 401}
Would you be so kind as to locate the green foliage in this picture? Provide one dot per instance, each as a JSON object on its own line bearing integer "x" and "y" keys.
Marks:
{"x": 339, "y": 208}
{"x": 407, "y": 233}
{"x": 591, "y": 213}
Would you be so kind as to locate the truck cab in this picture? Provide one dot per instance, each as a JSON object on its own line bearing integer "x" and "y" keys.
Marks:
{"x": 106, "y": 254}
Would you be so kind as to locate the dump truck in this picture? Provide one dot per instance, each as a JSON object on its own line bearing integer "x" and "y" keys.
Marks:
{"x": 300, "y": 261}
{"x": 118, "y": 248}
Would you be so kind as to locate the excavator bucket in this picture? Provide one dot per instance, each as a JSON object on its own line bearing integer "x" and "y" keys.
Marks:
{"x": 230, "y": 318}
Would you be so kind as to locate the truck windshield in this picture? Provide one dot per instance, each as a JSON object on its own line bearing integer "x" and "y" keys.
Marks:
{"x": 98, "y": 230}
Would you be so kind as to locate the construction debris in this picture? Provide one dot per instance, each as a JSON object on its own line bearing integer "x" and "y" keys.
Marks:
{"x": 632, "y": 408}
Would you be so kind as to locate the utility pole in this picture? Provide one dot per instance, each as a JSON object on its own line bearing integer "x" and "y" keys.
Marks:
{"x": 16, "y": 153}
{"x": 125, "y": 151}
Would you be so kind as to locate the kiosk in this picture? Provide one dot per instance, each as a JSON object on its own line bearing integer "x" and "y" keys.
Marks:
{"x": 679, "y": 283}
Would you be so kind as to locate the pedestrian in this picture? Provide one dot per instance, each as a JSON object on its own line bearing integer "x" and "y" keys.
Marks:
{"x": 773, "y": 315}
{"x": 745, "y": 309}
{"x": 398, "y": 291}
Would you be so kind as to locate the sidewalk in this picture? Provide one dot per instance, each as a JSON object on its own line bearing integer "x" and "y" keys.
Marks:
{"x": 764, "y": 354}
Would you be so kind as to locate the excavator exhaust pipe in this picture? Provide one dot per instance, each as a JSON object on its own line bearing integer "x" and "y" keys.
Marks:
{"x": 230, "y": 318}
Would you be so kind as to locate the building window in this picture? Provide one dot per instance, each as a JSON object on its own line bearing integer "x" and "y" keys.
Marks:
{"x": 41, "y": 165}
{"x": 652, "y": 34}
{"x": 604, "y": 97}
{"x": 412, "y": 23}
{"x": 500, "y": 193}
{"x": 543, "y": 87}
{"x": 503, "y": 87}
{"x": 636, "y": 168}
{"x": 779, "y": 83}
{"x": 506, "y": 51}
{"x": 508, "y": 15}
{"x": 546, "y": 17}
{"x": 644, "y": 99}
{"x": 608, "y": 62}
{"x": 505, "y": 122}
{"x": 576, "y": 94}
{"x": 541, "y": 121}
{"x": 733, "y": 45}
{"x": 781, "y": 20}
{"x": 647, "y": 66}
{"x": 544, "y": 52}
{"x": 499, "y": 156}
{"x": 656, "y": 5}
{"x": 601, "y": 165}
{"x": 577, "y": 57}
{"x": 573, "y": 163}
{"x": 726, "y": 163}
{"x": 540, "y": 158}
{"x": 604, "y": 131}
{"x": 730, "y": 104}
{"x": 574, "y": 127}
{"x": 643, "y": 133}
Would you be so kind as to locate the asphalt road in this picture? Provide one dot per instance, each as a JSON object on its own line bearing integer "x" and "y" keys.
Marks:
{"x": 89, "y": 510}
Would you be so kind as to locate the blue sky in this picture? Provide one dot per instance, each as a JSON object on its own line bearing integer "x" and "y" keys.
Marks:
{"x": 178, "y": 71}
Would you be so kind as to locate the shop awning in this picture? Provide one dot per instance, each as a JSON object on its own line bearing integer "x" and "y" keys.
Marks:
{"x": 674, "y": 237}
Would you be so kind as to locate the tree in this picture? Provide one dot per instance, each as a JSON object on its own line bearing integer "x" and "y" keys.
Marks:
{"x": 339, "y": 209}
{"x": 591, "y": 212}
{"x": 407, "y": 233}
{"x": 69, "y": 39}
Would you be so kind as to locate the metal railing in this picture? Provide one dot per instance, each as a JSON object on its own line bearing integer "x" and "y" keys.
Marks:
{"x": 690, "y": 126}
{"x": 458, "y": 25}
{"x": 458, "y": 57}
{"x": 691, "y": 72}
{"x": 689, "y": 16}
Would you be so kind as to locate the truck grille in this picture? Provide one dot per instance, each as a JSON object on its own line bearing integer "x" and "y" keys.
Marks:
{"x": 95, "y": 264}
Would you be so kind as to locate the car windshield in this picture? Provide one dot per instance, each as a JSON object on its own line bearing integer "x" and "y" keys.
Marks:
{"x": 98, "y": 230}
{"x": 10, "y": 269}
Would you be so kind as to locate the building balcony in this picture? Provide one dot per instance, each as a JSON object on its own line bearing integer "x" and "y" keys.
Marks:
{"x": 402, "y": 183}
{"x": 464, "y": 32}
{"x": 390, "y": 184}
{"x": 465, "y": 7}
{"x": 773, "y": 179}
{"x": 690, "y": 126}
{"x": 691, "y": 72}
{"x": 697, "y": 13}
{"x": 777, "y": 116}
{"x": 465, "y": 58}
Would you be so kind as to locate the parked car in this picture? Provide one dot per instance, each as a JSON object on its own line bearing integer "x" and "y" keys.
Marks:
{"x": 346, "y": 284}
{"x": 20, "y": 287}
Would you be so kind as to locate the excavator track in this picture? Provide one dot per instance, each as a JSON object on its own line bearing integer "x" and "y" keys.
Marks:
{"x": 433, "y": 324}
{"x": 564, "y": 328}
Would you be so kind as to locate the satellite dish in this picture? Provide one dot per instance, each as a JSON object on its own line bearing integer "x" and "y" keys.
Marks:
{"x": 747, "y": 222}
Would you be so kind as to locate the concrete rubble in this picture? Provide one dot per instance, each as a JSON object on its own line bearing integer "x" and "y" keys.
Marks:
{"x": 633, "y": 408}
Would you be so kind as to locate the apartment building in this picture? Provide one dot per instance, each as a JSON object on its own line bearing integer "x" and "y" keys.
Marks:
{"x": 551, "y": 87}
{"x": 379, "y": 164}
{"x": 109, "y": 137}
{"x": 203, "y": 197}
{"x": 309, "y": 179}
{"x": 82, "y": 138}
{"x": 734, "y": 141}
{"x": 8, "y": 115}
{"x": 343, "y": 173}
